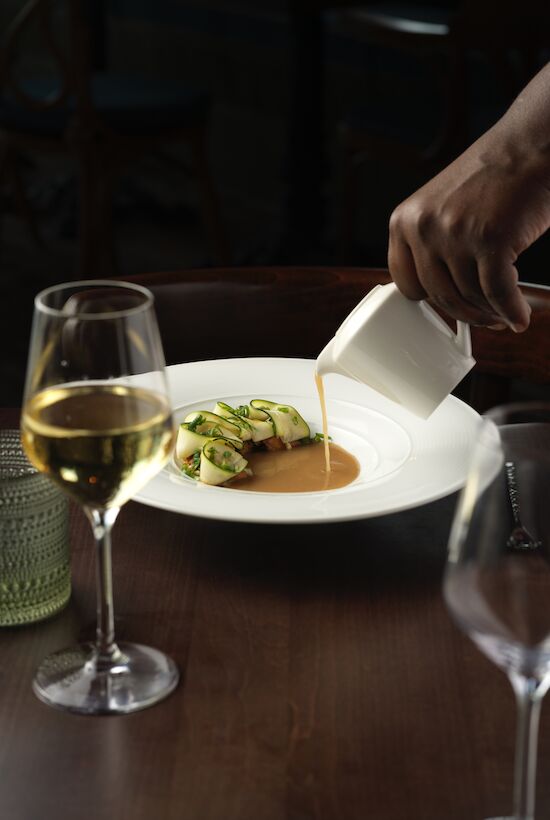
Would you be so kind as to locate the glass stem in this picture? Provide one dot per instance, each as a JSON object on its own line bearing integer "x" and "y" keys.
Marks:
{"x": 529, "y": 692}
{"x": 102, "y": 523}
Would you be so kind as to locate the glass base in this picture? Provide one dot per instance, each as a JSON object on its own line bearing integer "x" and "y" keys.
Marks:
{"x": 76, "y": 680}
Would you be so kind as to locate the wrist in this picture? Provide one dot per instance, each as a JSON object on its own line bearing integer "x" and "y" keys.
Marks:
{"x": 512, "y": 148}
{"x": 523, "y": 132}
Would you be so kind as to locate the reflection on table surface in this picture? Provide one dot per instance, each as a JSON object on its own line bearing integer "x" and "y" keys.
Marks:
{"x": 321, "y": 678}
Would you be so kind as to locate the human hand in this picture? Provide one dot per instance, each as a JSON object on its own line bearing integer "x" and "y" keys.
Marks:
{"x": 456, "y": 240}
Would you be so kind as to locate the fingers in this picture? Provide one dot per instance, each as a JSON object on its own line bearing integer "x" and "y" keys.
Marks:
{"x": 464, "y": 272}
{"x": 402, "y": 267}
{"x": 499, "y": 282}
{"x": 481, "y": 291}
{"x": 457, "y": 292}
{"x": 445, "y": 289}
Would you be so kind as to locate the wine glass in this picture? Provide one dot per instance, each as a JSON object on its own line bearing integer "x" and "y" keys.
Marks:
{"x": 97, "y": 420}
{"x": 497, "y": 579}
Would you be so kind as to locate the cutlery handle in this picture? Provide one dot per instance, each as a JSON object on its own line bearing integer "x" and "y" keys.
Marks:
{"x": 512, "y": 489}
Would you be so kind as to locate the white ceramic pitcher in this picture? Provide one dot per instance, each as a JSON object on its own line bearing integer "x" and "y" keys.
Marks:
{"x": 400, "y": 348}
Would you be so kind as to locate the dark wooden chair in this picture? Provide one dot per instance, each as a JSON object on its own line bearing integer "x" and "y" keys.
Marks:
{"x": 512, "y": 367}
{"x": 102, "y": 119}
{"x": 449, "y": 72}
{"x": 293, "y": 312}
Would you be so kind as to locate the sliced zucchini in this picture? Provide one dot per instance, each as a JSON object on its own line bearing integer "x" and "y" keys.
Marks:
{"x": 262, "y": 429}
{"x": 220, "y": 462}
{"x": 189, "y": 441}
{"x": 210, "y": 424}
{"x": 203, "y": 421}
{"x": 259, "y": 421}
{"x": 250, "y": 412}
{"x": 227, "y": 412}
{"x": 288, "y": 424}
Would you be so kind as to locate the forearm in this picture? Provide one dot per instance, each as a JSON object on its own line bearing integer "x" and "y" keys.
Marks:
{"x": 522, "y": 136}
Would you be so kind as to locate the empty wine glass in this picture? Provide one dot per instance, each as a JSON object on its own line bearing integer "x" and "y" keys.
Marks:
{"x": 97, "y": 420}
{"x": 497, "y": 579}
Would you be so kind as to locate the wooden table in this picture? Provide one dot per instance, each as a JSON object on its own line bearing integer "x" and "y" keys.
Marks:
{"x": 321, "y": 678}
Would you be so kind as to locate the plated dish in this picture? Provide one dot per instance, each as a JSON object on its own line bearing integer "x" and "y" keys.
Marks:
{"x": 404, "y": 461}
{"x": 211, "y": 444}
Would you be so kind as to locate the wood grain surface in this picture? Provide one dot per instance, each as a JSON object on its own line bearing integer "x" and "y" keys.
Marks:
{"x": 321, "y": 678}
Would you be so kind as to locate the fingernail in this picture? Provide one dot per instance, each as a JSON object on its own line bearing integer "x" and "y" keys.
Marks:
{"x": 511, "y": 325}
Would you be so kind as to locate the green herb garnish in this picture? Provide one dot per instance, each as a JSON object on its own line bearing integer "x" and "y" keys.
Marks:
{"x": 192, "y": 468}
{"x": 192, "y": 425}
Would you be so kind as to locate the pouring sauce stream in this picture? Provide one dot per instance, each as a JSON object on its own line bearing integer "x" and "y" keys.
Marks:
{"x": 321, "y": 391}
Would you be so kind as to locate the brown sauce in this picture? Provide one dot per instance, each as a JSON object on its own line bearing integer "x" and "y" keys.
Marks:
{"x": 299, "y": 470}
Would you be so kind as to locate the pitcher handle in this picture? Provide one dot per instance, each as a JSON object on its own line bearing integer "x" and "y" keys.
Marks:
{"x": 463, "y": 338}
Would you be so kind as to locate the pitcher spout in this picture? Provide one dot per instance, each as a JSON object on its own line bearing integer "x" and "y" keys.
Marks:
{"x": 326, "y": 362}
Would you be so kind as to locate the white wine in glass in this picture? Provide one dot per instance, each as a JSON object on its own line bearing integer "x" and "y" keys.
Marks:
{"x": 97, "y": 420}
{"x": 497, "y": 579}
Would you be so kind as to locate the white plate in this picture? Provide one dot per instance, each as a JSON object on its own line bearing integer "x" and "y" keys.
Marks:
{"x": 405, "y": 461}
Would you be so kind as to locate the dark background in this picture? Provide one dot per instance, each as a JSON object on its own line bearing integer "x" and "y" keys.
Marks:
{"x": 240, "y": 52}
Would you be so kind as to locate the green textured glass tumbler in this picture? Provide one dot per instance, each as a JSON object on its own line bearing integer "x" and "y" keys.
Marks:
{"x": 35, "y": 580}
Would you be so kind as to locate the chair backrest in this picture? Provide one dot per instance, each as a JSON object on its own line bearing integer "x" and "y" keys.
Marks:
{"x": 61, "y": 30}
{"x": 294, "y": 312}
{"x": 502, "y": 23}
{"x": 512, "y": 34}
{"x": 507, "y": 37}
{"x": 216, "y": 313}
{"x": 513, "y": 366}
